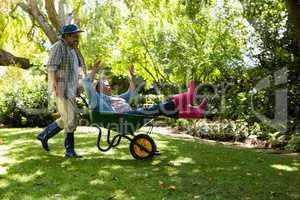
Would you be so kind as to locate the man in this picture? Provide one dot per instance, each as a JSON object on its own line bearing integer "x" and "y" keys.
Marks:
{"x": 65, "y": 65}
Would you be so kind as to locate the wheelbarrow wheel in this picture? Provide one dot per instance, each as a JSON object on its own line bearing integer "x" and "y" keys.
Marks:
{"x": 142, "y": 147}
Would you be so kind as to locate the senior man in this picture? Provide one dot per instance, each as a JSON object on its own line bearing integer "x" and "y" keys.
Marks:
{"x": 65, "y": 66}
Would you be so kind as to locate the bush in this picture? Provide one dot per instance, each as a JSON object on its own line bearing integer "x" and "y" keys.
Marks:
{"x": 23, "y": 101}
{"x": 9, "y": 113}
{"x": 215, "y": 130}
{"x": 151, "y": 99}
{"x": 278, "y": 140}
{"x": 294, "y": 143}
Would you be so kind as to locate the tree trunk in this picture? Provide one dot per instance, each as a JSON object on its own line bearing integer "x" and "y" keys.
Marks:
{"x": 293, "y": 8}
{"x": 43, "y": 22}
{"x": 61, "y": 11}
{"x": 52, "y": 14}
{"x": 7, "y": 58}
{"x": 40, "y": 19}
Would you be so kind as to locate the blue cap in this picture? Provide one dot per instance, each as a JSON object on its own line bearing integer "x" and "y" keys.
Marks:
{"x": 70, "y": 28}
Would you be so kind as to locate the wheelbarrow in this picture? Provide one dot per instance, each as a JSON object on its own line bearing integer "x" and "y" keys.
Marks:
{"x": 142, "y": 146}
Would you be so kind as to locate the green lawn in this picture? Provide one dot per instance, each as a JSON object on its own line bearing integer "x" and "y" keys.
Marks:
{"x": 186, "y": 170}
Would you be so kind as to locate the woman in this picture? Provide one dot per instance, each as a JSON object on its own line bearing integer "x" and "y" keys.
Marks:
{"x": 101, "y": 99}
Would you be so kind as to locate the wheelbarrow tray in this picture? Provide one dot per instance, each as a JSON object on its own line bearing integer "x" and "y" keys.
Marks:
{"x": 119, "y": 122}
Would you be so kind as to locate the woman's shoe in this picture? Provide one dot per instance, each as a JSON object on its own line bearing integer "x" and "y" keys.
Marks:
{"x": 193, "y": 112}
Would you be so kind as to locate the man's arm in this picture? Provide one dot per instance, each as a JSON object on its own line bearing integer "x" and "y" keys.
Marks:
{"x": 82, "y": 62}
{"x": 53, "y": 65}
{"x": 53, "y": 78}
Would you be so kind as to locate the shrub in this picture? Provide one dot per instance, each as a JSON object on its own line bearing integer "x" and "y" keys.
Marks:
{"x": 151, "y": 99}
{"x": 294, "y": 143}
{"x": 278, "y": 140}
{"x": 23, "y": 100}
{"x": 215, "y": 130}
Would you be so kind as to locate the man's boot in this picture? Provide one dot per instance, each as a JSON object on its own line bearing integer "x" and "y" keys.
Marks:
{"x": 69, "y": 145}
{"x": 50, "y": 131}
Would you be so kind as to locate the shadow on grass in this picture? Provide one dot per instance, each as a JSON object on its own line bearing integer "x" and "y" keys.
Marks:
{"x": 186, "y": 170}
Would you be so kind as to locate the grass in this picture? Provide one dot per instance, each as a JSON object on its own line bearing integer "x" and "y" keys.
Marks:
{"x": 186, "y": 170}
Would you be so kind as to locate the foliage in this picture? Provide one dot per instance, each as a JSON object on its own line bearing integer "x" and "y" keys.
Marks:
{"x": 20, "y": 37}
{"x": 294, "y": 143}
{"x": 23, "y": 100}
{"x": 227, "y": 45}
{"x": 165, "y": 44}
{"x": 216, "y": 130}
{"x": 277, "y": 49}
{"x": 153, "y": 99}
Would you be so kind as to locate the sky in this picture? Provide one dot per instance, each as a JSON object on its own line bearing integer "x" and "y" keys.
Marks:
{"x": 2, "y": 70}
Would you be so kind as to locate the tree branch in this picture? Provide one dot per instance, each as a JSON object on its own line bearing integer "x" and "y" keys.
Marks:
{"x": 52, "y": 14}
{"x": 70, "y": 17}
{"x": 7, "y": 59}
{"x": 147, "y": 70}
{"x": 41, "y": 20}
{"x": 157, "y": 70}
{"x": 61, "y": 11}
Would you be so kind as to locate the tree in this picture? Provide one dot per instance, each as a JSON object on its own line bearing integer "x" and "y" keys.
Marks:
{"x": 293, "y": 9}
{"x": 49, "y": 23}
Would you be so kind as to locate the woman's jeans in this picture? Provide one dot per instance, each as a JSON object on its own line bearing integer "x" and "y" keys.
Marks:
{"x": 167, "y": 108}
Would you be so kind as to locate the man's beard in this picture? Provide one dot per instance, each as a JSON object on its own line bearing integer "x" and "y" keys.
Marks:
{"x": 75, "y": 44}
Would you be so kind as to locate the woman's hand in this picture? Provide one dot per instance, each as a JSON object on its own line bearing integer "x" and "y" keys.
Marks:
{"x": 132, "y": 85}
{"x": 132, "y": 71}
{"x": 95, "y": 69}
{"x": 97, "y": 65}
